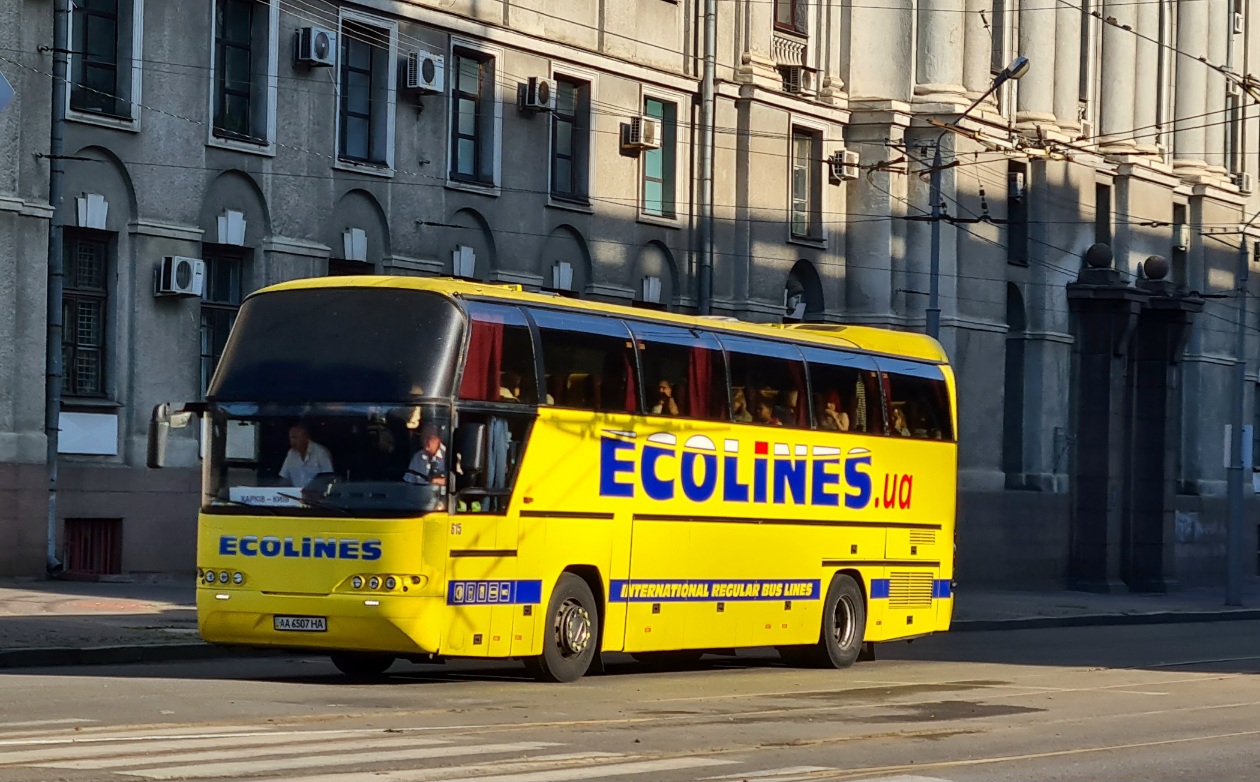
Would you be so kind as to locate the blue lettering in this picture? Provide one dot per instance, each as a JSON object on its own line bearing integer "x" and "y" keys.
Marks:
{"x": 270, "y": 547}
{"x": 759, "y": 480}
{"x": 789, "y": 474}
{"x": 732, "y": 489}
{"x": 306, "y": 548}
{"x": 656, "y": 488}
{"x": 249, "y": 546}
{"x": 699, "y": 492}
{"x": 823, "y": 479}
{"x": 227, "y": 545}
{"x": 857, "y": 479}
{"x": 348, "y": 549}
{"x": 610, "y": 466}
{"x": 371, "y": 549}
{"x": 325, "y": 549}
{"x": 291, "y": 550}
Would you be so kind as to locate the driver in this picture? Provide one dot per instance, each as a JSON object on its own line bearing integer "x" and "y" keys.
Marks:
{"x": 428, "y": 466}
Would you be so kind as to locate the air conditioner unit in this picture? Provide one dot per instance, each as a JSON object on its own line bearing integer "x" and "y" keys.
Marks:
{"x": 1239, "y": 24}
{"x": 424, "y": 72}
{"x": 315, "y": 46}
{"x": 843, "y": 165}
{"x": 179, "y": 276}
{"x": 1016, "y": 184}
{"x": 1244, "y": 181}
{"x": 644, "y": 133}
{"x": 1087, "y": 131}
{"x": 1233, "y": 88}
{"x": 1181, "y": 237}
{"x": 538, "y": 94}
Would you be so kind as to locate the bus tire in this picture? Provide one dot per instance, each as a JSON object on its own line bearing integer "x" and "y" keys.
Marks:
{"x": 571, "y": 636}
{"x": 362, "y": 664}
{"x": 843, "y": 628}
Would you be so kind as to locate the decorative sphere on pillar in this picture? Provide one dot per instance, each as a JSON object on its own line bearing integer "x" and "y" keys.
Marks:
{"x": 1099, "y": 256}
{"x": 1155, "y": 267}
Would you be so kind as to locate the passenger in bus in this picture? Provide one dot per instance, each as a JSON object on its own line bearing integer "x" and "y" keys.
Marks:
{"x": 428, "y": 466}
{"x": 665, "y": 402}
{"x": 764, "y": 413}
{"x": 785, "y": 410}
{"x": 899, "y": 425}
{"x": 831, "y": 417}
{"x": 739, "y": 411}
{"x": 305, "y": 459}
{"x": 510, "y": 388}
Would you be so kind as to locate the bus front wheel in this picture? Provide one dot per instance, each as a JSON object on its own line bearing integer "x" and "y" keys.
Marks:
{"x": 571, "y": 636}
{"x": 361, "y": 664}
{"x": 843, "y": 628}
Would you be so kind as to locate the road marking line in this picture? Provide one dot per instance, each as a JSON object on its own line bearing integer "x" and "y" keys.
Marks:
{"x": 787, "y": 774}
{"x": 220, "y": 770}
{"x": 537, "y": 762}
{"x": 146, "y": 746}
{"x": 595, "y": 772}
{"x": 224, "y": 733}
{"x": 152, "y": 757}
{"x": 38, "y": 723}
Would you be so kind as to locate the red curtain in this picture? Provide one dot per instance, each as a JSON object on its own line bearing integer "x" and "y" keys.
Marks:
{"x": 485, "y": 360}
{"x": 699, "y": 382}
{"x": 797, "y": 373}
{"x": 632, "y": 392}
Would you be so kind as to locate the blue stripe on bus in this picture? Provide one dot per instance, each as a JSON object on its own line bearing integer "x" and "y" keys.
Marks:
{"x": 699, "y": 590}
{"x": 880, "y": 588}
{"x": 498, "y": 592}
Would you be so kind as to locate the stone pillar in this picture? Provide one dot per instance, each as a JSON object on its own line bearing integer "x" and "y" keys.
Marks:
{"x": 1146, "y": 72}
{"x": 1037, "y": 32}
{"x": 1119, "y": 77}
{"x": 1067, "y": 65}
{"x": 1106, "y": 312}
{"x": 1220, "y": 28}
{"x": 1189, "y": 135}
{"x": 977, "y": 46}
{"x": 1148, "y": 564}
{"x": 941, "y": 51}
{"x": 756, "y": 60}
{"x": 875, "y": 249}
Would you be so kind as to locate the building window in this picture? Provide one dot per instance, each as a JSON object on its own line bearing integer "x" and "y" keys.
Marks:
{"x": 220, "y": 301}
{"x": 1233, "y": 161}
{"x": 997, "y": 33}
{"x": 659, "y": 164}
{"x": 806, "y": 159}
{"x": 472, "y": 123}
{"x": 1102, "y": 214}
{"x": 242, "y": 49}
{"x": 1017, "y": 214}
{"x": 366, "y": 94}
{"x": 789, "y": 15}
{"x": 102, "y": 39}
{"x": 84, "y": 307}
{"x": 1180, "y": 220}
{"x": 570, "y": 140}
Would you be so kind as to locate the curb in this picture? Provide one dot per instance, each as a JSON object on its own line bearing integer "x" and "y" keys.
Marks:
{"x": 119, "y": 655}
{"x": 1104, "y": 620}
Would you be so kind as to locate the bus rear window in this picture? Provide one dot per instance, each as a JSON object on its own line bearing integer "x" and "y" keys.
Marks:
{"x": 340, "y": 344}
{"x": 918, "y": 401}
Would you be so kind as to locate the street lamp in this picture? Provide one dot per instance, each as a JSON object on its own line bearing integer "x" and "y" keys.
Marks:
{"x": 1016, "y": 70}
{"x": 1235, "y": 471}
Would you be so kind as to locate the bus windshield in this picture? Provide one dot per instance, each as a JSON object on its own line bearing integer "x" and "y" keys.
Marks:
{"x": 382, "y": 460}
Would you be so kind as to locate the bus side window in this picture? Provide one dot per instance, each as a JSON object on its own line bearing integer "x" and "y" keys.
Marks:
{"x": 684, "y": 374}
{"x": 589, "y": 362}
{"x": 500, "y": 363}
{"x": 846, "y": 391}
{"x": 771, "y": 376}
{"x": 918, "y": 401}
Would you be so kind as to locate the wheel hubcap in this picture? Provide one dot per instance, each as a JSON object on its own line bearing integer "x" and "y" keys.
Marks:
{"x": 573, "y": 628}
{"x": 843, "y": 622}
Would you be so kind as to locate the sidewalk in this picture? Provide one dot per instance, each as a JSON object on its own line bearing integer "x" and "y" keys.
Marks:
{"x": 154, "y": 618}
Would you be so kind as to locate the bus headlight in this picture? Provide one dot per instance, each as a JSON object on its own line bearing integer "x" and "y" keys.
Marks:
{"x": 374, "y": 583}
{"x": 390, "y": 582}
{"x": 238, "y": 578}
{"x": 223, "y": 576}
{"x": 357, "y": 582}
{"x": 209, "y": 576}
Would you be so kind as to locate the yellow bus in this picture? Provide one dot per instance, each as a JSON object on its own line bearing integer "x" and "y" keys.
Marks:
{"x": 428, "y": 468}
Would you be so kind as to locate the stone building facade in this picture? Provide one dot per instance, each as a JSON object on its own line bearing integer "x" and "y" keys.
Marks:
{"x": 210, "y": 129}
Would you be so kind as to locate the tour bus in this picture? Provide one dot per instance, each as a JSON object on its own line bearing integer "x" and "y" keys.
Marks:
{"x": 406, "y": 468}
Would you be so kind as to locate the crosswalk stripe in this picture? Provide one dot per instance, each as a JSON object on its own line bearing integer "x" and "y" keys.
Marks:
{"x": 38, "y": 723}
{"x": 115, "y": 733}
{"x": 154, "y": 756}
{"x": 596, "y": 772}
{"x": 219, "y": 770}
{"x": 536, "y": 762}
{"x": 144, "y": 746}
{"x": 788, "y": 774}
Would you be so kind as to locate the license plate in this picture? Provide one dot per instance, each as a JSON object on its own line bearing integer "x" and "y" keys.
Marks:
{"x": 304, "y": 624}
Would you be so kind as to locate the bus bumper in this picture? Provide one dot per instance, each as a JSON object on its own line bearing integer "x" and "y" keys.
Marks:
{"x": 402, "y": 625}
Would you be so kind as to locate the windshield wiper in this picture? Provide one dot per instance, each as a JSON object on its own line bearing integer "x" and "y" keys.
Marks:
{"x": 317, "y": 504}
{"x": 251, "y": 506}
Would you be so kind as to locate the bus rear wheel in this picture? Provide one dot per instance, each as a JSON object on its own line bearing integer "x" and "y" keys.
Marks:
{"x": 362, "y": 664}
{"x": 843, "y": 629}
{"x": 571, "y": 637}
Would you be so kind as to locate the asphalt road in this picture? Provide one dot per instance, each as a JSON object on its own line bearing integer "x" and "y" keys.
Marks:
{"x": 1162, "y": 702}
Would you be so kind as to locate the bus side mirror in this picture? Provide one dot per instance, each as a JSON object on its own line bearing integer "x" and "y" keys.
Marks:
{"x": 470, "y": 448}
{"x": 164, "y": 419}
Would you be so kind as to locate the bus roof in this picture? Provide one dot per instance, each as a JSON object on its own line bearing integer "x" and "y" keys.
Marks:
{"x": 902, "y": 344}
